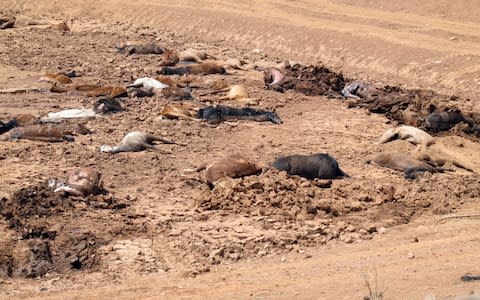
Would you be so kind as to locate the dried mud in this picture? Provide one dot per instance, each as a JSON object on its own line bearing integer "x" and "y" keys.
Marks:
{"x": 287, "y": 202}
{"x": 168, "y": 221}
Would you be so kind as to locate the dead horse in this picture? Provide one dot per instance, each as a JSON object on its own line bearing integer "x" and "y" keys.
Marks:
{"x": 220, "y": 113}
{"x": 233, "y": 166}
{"x": 320, "y": 165}
{"x": 45, "y": 133}
{"x": 140, "y": 49}
{"x": 405, "y": 163}
{"x": 136, "y": 141}
{"x": 198, "y": 69}
{"x": 80, "y": 182}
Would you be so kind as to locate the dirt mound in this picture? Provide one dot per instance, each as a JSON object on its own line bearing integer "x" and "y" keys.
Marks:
{"x": 35, "y": 202}
{"x": 313, "y": 80}
{"x": 294, "y": 198}
{"x": 292, "y": 212}
{"x": 42, "y": 245}
{"x": 36, "y": 257}
{"x": 273, "y": 213}
{"x": 267, "y": 194}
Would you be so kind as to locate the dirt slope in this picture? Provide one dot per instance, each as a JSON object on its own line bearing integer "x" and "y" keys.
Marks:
{"x": 429, "y": 44}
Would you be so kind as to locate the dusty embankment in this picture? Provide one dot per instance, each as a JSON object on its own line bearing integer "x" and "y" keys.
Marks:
{"x": 434, "y": 45}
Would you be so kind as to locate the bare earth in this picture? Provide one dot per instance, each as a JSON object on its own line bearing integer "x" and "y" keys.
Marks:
{"x": 177, "y": 239}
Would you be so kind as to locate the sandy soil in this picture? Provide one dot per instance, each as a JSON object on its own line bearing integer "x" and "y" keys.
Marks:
{"x": 162, "y": 234}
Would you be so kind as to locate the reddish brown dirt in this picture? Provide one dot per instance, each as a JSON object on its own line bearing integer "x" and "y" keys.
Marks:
{"x": 160, "y": 232}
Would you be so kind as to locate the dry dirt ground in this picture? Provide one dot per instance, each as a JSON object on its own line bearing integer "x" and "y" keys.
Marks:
{"x": 160, "y": 233}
